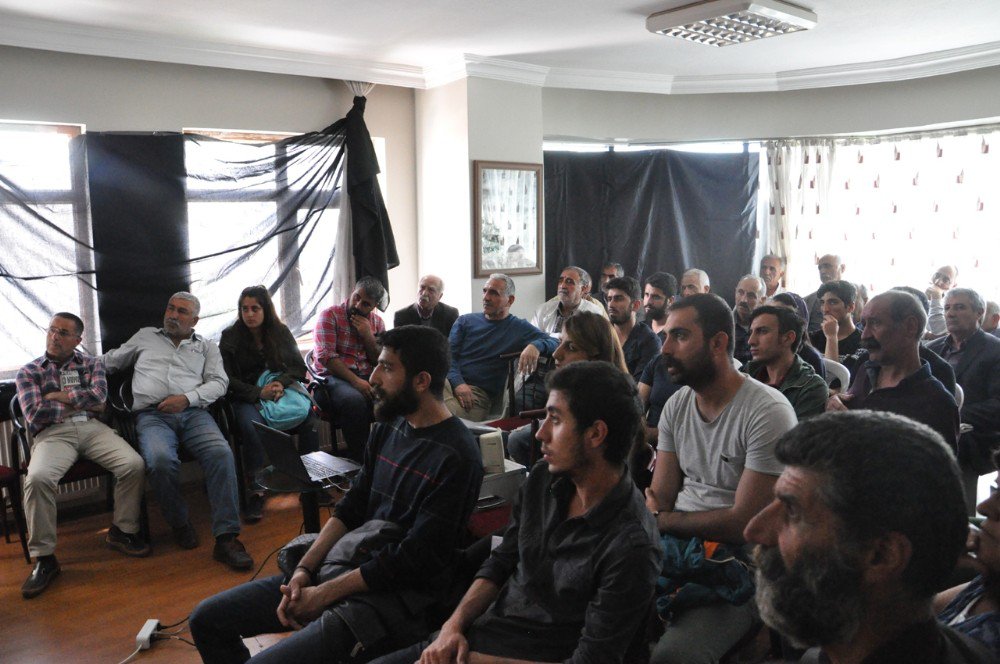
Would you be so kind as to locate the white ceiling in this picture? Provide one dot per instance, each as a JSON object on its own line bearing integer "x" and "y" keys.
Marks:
{"x": 594, "y": 44}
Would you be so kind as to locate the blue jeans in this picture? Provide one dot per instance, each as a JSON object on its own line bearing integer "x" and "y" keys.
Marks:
{"x": 253, "y": 451}
{"x": 160, "y": 435}
{"x": 352, "y": 413}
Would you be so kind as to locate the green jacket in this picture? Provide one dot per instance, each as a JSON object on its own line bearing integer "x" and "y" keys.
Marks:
{"x": 803, "y": 388}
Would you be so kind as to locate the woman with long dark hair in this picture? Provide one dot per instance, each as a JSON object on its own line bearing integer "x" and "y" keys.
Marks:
{"x": 256, "y": 342}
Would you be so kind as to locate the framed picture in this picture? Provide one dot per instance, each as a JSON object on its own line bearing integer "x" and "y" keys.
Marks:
{"x": 507, "y": 217}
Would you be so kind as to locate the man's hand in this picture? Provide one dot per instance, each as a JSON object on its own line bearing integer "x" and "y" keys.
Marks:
{"x": 449, "y": 647}
{"x": 933, "y": 292}
{"x": 652, "y": 504}
{"x": 175, "y": 403}
{"x": 528, "y": 361}
{"x": 830, "y": 327}
{"x": 362, "y": 325}
{"x": 291, "y": 593}
{"x": 364, "y": 387}
{"x": 61, "y": 397}
{"x": 838, "y": 402}
{"x": 465, "y": 396}
{"x": 272, "y": 391}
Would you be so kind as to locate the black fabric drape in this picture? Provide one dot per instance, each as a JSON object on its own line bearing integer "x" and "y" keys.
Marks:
{"x": 651, "y": 211}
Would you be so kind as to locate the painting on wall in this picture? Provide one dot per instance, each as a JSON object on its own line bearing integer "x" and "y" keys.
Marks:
{"x": 507, "y": 218}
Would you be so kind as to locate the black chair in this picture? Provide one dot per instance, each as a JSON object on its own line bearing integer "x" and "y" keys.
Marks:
{"x": 316, "y": 387}
{"x": 10, "y": 480}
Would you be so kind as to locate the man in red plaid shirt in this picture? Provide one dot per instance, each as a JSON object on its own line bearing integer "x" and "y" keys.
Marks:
{"x": 346, "y": 352}
{"x": 60, "y": 394}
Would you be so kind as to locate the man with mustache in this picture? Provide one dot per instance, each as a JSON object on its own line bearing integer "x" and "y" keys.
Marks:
{"x": 749, "y": 293}
{"x": 866, "y": 524}
{"x": 715, "y": 464}
{"x": 639, "y": 343}
{"x": 658, "y": 293}
{"x": 831, "y": 267}
{"x": 428, "y": 309}
{"x": 895, "y": 378}
{"x": 574, "y": 283}
{"x": 694, "y": 281}
{"x": 420, "y": 477}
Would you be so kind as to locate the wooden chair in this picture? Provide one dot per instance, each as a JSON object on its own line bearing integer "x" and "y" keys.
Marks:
{"x": 10, "y": 480}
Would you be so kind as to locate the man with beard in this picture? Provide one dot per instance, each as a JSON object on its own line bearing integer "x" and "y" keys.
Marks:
{"x": 715, "y": 465}
{"x": 749, "y": 293}
{"x": 658, "y": 293}
{"x": 574, "y": 283}
{"x": 866, "y": 524}
{"x": 639, "y": 343}
{"x": 421, "y": 472}
{"x": 428, "y": 309}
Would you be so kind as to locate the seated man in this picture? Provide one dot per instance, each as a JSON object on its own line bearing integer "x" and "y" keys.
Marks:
{"x": 428, "y": 309}
{"x": 477, "y": 374}
{"x": 775, "y": 334}
{"x": 177, "y": 375}
{"x": 944, "y": 279}
{"x": 60, "y": 394}
{"x": 772, "y": 271}
{"x": 831, "y": 268}
{"x": 695, "y": 281}
{"x": 991, "y": 319}
{"x": 420, "y": 478}
{"x": 658, "y": 293}
{"x": 639, "y": 343}
{"x": 573, "y": 577}
{"x": 715, "y": 464}
{"x": 866, "y": 524}
{"x": 838, "y": 337}
{"x": 749, "y": 293}
{"x": 574, "y": 283}
{"x": 346, "y": 350}
{"x": 609, "y": 271}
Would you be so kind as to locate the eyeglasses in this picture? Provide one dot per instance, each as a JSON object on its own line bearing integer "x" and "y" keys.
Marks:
{"x": 62, "y": 334}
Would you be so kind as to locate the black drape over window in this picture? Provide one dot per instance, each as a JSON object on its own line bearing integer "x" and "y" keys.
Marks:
{"x": 651, "y": 211}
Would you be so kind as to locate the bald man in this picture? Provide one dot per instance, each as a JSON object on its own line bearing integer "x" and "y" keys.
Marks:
{"x": 428, "y": 310}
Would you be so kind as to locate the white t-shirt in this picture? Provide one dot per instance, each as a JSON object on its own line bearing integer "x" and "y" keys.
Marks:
{"x": 712, "y": 455}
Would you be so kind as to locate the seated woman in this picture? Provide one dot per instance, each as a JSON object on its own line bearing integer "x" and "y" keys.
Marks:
{"x": 256, "y": 342}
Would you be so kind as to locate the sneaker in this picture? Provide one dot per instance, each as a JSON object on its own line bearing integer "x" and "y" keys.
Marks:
{"x": 46, "y": 569}
{"x": 186, "y": 536}
{"x": 229, "y": 550}
{"x": 130, "y": 545}
{"x": 254, "y": 511}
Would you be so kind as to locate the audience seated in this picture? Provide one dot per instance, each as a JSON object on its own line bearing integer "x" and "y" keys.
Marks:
{"x": 715, "y": 464}
{"x": 428, "y": 309}
{"x": 749, "y": 293}
{"x": 838, "y": 337}
{"x": 694, "y": 281}
{"x": 419, "y": 481}
{"x": 256, "y": 343}
{"x": 991, "y": 319}
{"x": 658, "y": 293}
{"x": 609, "y": 271}
{"x": 772, "y": 271}
{"x": 639, "y": 343}
{"x": 806, "y": 351}
{"x": 573, "y": 577}
{"x": 61, "y": 393}
{"x": 177, "y": 374}
{"x": 574, "y": 282}
{"x": 944, "y": 279}
{"x": 831, "y": 268}
{"x": 866, "y": 524}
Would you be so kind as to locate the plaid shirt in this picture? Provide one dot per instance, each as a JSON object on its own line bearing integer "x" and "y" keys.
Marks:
{"x": 336, "y": 339}
{"x": 42, "y": 376}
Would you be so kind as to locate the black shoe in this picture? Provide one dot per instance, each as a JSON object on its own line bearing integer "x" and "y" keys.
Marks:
{"x": 254, "y": 511}
{"x": 46, "y": 569}
{"x": 130, "y": 545}
{"x": 186, "y": 536}
{"x": 231, "y": 551}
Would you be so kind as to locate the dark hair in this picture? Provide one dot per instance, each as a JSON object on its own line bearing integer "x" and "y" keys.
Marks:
{"x": 628, "y": 285}
{"x": 270, "y": 329}
{"x": 665, "y": 281}
{"x": 593, "y": 334}
{"x": 714, "y": 316}
{"x": 374, "y": 289}
{"x": 788, "y": 321}
{"x": 421, "y": 348}
{"x": 903, "y": 305}
{"x": 601, "y": 391}
{"x": 77, "y": 322}
{"x": 581, "y": 273}
{"x": 790, "y": 299}
{"x": 845, "y": 290}
{"x": 917, "y": 293}
{"x": 882, "y": 473}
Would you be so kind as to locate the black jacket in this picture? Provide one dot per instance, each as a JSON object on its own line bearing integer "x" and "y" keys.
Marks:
{"x": 442, "y": 318}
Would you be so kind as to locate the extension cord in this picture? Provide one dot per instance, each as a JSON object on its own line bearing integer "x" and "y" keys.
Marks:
{"x": 144, "y": 639}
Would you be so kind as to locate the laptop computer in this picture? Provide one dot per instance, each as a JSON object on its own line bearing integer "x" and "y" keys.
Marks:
{"x": 316, "y": 468}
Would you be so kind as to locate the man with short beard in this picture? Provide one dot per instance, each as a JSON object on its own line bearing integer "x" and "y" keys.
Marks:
{"x": 573, "y": 285}
{"x": 866, "y": 524}
{"x": 658, "y": 293}
{"x": 422, "y": 473}
{"x": 715, "y": 465}
{"x": 639, "y": 343}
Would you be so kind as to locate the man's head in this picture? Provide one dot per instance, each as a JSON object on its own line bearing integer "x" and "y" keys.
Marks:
{"x": 945, "y": 277}
{"x": 498, "y": 296}
{"x": 658, "y": 292}
{"x": 917, "y": 293}
{"x": 837, "y": 299}
{"x": 831, "y": 268}
{"x": 411, "y": 368}
{"x": 64, "y": 333}
{"x": 963, "y": 309}
{"x": 573, "y": 283}
{"x": 750, "y": 291}
{"x": 775, "y": 333}
{"x": 592, "y": 417}
{"x": 894, "y": 323}
{"x": 700, "y": 340}
{"x": 868, "y": 516}
{"x": 367, "y": 295}
{"x": 991, "y": 319}
{"x": 611, "y": 271}
{"x": 181, "y": 315}
{"x": 695, "y": 281}
{"x": 429, "y": 291}
{"x": 772, "y": 269}
{"x": 623, "y": 298}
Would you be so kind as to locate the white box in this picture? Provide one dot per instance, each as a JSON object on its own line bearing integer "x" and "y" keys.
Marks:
{"x": 505, "y": 484}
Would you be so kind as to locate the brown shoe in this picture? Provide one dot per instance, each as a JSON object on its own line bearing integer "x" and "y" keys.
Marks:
{"x": 229, "y": 550}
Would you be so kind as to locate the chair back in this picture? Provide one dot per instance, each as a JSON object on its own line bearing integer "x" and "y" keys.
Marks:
{"x": 838, "y": 371}
{"x": 959, "y": 395}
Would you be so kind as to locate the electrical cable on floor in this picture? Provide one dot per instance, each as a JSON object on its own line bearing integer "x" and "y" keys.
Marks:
{"x": 179, "y": 622}
{"x": 181, "y": 638}
{"x": 131, "y": 657}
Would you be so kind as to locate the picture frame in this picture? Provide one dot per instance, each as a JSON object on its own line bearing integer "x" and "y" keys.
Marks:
{"x": 506, "y": 218}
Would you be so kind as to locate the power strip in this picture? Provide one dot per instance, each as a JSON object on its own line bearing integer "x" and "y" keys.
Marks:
{"x": 144, "y": 639}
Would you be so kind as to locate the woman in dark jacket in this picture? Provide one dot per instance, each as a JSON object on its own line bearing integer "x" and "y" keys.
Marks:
{"x": 255, "y": 342}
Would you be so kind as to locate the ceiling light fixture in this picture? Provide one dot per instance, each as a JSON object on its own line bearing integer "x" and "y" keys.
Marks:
{"x": 726, "y": 22}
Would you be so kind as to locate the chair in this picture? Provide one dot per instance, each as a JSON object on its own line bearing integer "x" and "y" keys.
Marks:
{"x": 10, "y": 480}
{"x": 317, "y": 381}
{"x": 959, "y": 395}
{"x": 836, "y": 370}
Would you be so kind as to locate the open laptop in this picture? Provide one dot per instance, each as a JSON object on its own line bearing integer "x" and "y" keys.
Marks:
{"x": 317, "y": 468}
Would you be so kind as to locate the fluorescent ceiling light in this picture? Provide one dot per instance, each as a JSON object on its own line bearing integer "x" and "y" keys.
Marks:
{"x": 725, "y": 22}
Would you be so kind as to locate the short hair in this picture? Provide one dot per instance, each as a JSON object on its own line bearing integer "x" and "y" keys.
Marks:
{"x": 917, "y": 293}
{"x": 760, "y": 282}
{"x": 629, "y": 285}
{"x": 794, "y": 300}
{"x": 601, "y": 391}
{"x": 788, "y": 321}
{"x": 882, "y": 473}
{"x": 992, "y": 308}
{"x": 373, "y": 288}
{"x": 781, "y": 261}
{"x": 617, "y": 267}
{"x": 421, "y": 348}
{"x": 701, "y": 274}
{"x": 508, "y": 288}
{"x": 188, "y": 297}
{"x": 73, "y": 318}
{"x": 902, "y": 305}
{"x": 713, "y": 316}
{"x": 844, "y": 290}
{"x": 665, "y": 281}
{"x": 583, "y": 274}
{"x": 975, "y": 298}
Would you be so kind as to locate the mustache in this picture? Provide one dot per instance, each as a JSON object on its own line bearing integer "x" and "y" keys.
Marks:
{"x": 669, "y": 361}
{"x": 870, "y": 344}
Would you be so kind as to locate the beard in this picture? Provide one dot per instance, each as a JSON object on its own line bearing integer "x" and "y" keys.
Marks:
{"x": 816, "y": 602}
{"x": 619, "y": 318}
{"x": 698, "y": 372}
{"x": 390, "y": 406}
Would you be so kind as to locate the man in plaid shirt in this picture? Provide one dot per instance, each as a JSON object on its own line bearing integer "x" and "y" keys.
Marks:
{"x": 346, "y": 352}
{"x": 60, "y": 394}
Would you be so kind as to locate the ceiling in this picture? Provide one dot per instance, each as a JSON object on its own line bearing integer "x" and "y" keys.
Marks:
{"x": 590, "y": 44}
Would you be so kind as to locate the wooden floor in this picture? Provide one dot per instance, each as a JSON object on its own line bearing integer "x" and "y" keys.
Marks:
{"x": 95, "y": 607}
